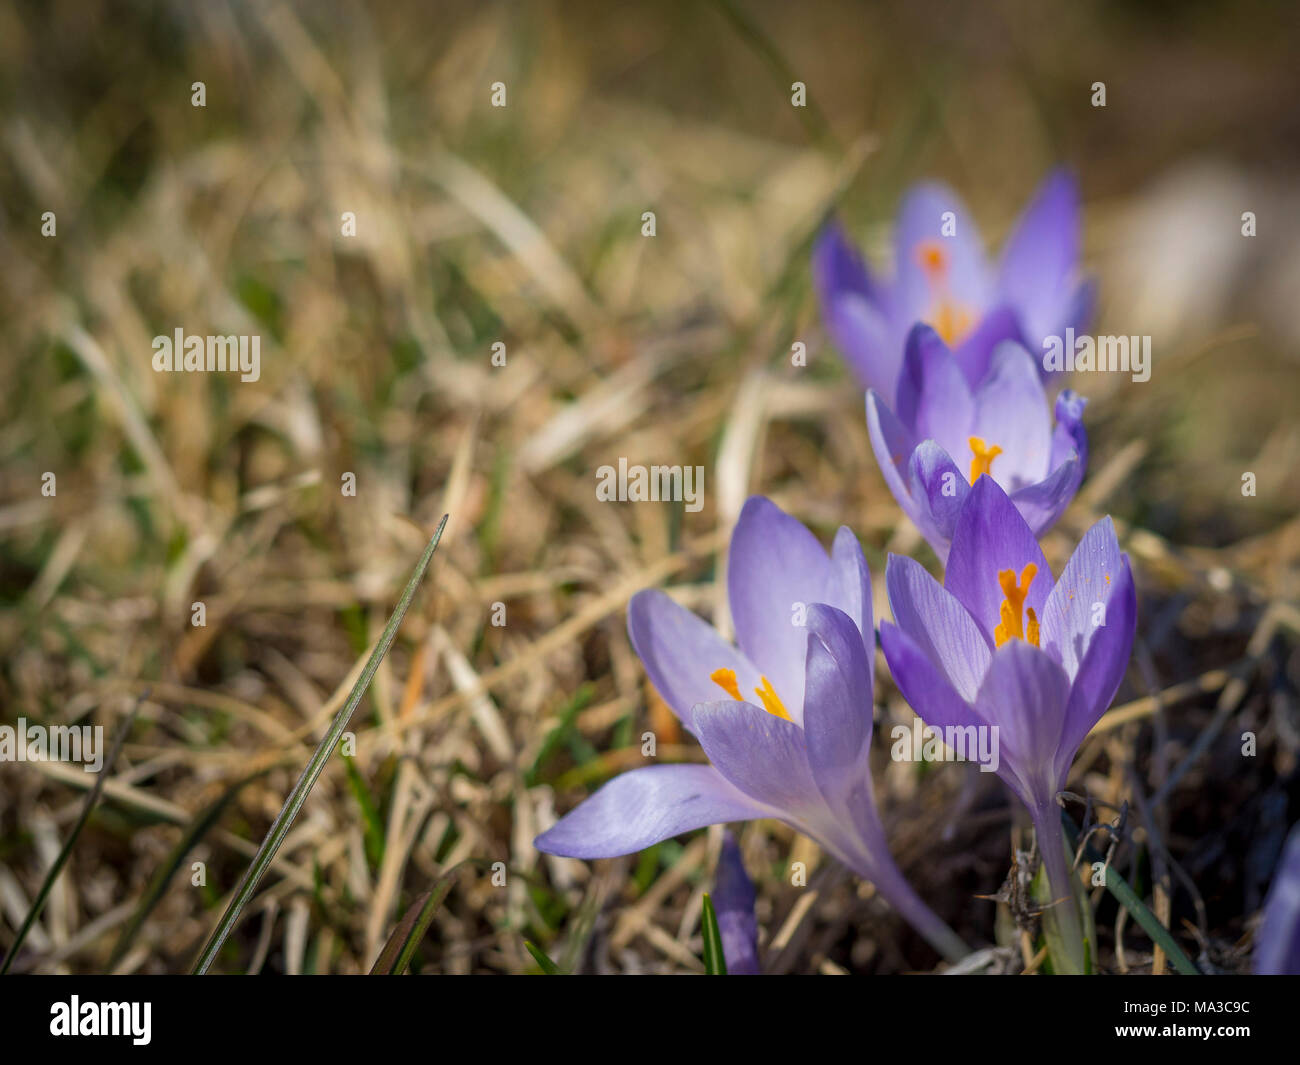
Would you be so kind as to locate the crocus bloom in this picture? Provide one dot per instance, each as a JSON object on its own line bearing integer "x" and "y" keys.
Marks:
{"x": 949, "y": 427}
{"x": 733, "y": 901}
{"x": 1000, "y": 644}
{"x": 785, "y": 718}
{"x": 1277, "y": 943}
{"x": 943, "y": 278}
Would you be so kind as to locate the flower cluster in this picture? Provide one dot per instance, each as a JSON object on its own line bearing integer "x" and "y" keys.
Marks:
{"x": 784, "y": 716}
{"x": 941, "y": 277}
{"x": 983, "y": 463}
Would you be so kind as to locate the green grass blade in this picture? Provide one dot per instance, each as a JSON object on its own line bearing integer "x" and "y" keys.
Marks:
{"x": 568, "y": 716}
{"x": 543, "y": 959}
{"x": 749, "y": 31}
{"x": 715, "y": 962}
{"x": 373, "y": 835}
{"x": 581, "y": 930}
{"x": 411, "y": 929}
{"x": 87, "y": 805}
{"x": 200, "y": 826}
{"x": 312, "y": 771}
{"x": 1128, "y": 898}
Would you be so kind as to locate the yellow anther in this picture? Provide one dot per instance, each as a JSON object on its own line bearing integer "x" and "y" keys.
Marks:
{"x": 951, "y": 321}
{"x": 982, "y": 463}
{"x": 1015, "y": 593}
{"x": 726, "y": 680}
{"x": 771, "y": 701}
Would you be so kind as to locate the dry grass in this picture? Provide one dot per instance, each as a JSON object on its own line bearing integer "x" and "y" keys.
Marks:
{"x": 522, "y": 225}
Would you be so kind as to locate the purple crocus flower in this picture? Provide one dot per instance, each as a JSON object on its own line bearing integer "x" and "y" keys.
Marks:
{"x": 1277, "y": 943}
{"x": 943, "y": 278}
{"x": 1000, "y": 645}
{"x": 952, "y": 425}
{"x": 733, "y": 901}
{"x": 796, "y": 748}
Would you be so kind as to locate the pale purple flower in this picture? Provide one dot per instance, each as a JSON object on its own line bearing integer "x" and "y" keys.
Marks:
{"x": 1277, "y": 943}
{"x": 1001, "y": 644}
{"x": 941, "y": 277}
{"x": 785, "y": 717}
{"x": 948, "y": 427}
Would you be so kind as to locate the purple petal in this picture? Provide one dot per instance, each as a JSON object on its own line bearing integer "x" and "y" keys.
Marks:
{"x": 975, "y": 352}
{"x": 938, "y": 490}
{"x": 1043, "y": 503}
{"x": 645, "y": 806}
{"x": 763, "y": 756}
{"x": 1277, "y": 943}
{"x": 733, "y": 901}
{"x": 1025, "y": 694}
{"x": 1077, "y": 314}
{"x": 1081, "y": 307}
{"x": 862, "y": 333}
{"x": 921, "y": 347}
{"x": 838, "y": 705}
{"x": 1088, "y": 578}
{"x": 839, "y": 270}
{"x": 893, "y": 445}
{"x": 775, "y": 568}
{"x": 925, "y": 688}
{"x": 1103, "y": 666}
{"x": 837, "y": 734}
{"x": 927, "y": 484}
{"x": 991, "y": 536}
{"x": 681, "y": 651}
{"x": 966, "y": 274}
{"x": 1069, "y": 437}
{"x": 895, "y": 451}
{"x": 1011, "y": 412}
{"x": 853, "y": 308}
{"x": 934, "y": 401}
{"x": 939, "y": 626}
{"x": 848, "y": 587}
{"x": 1041, "y": 258}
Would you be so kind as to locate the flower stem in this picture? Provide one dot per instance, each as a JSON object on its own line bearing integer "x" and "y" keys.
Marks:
{"x": 1061, "y": 917}
{"x": 895, "y": 890}
{"x": 929, "y": 924}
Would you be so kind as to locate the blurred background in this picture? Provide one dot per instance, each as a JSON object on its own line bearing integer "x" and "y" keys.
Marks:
{"x": 522, "y": 225}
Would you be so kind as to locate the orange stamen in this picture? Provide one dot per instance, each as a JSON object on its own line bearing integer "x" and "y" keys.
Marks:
{"x": 982, "y": 463}
{"x": 933, "y": 259}
{"x": 771, "y": 701}
{"x": 1015, "y": 593}
{"x": 950, "y": 319}
{"x": 726, "y": 680}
